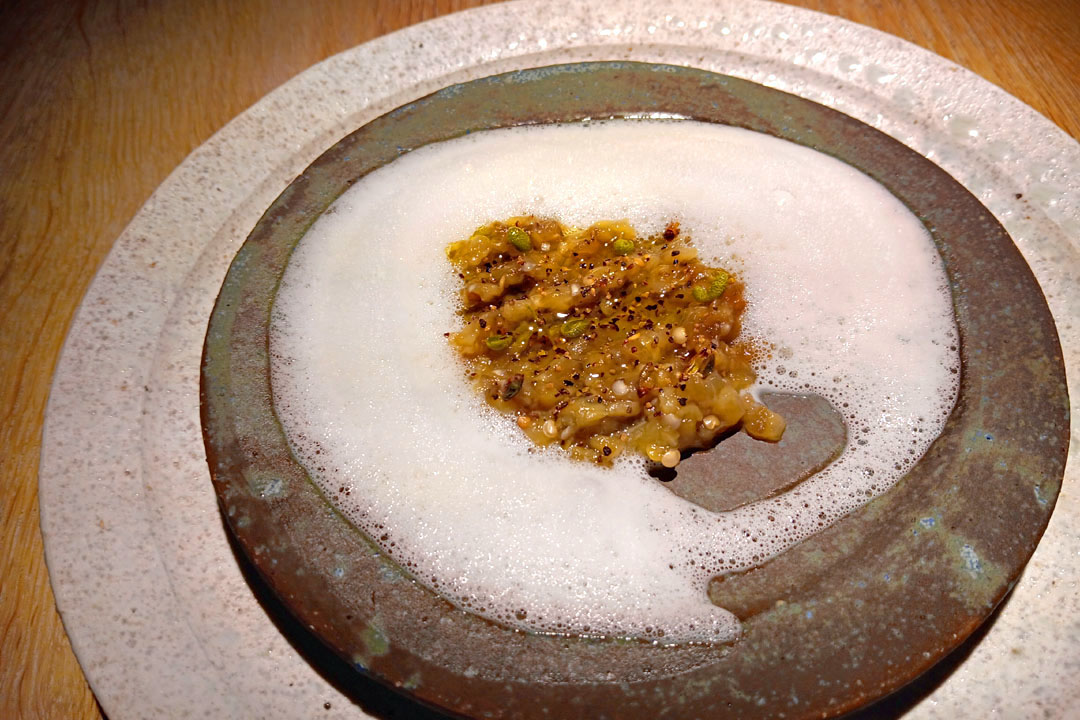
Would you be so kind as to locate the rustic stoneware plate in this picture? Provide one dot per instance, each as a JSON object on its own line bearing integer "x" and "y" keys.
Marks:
{"x": 842, "y": 619}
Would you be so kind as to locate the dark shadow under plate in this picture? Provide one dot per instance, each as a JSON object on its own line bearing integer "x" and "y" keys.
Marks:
{"x": 844, "y": 618}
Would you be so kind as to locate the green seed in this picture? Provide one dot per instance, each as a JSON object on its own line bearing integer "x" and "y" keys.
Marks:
{"x": 575, "y": 327}
{"x": 499, "y": 342}
{"x": 715, "y": 288}
{"x": 519, "y": 239}
{"x": 513, "y": 387}
{"x": 522, "y": 335}
{"x": 710, "y": 365}
{"x": 623, "y": 246}
{"x": 719, "y": 283}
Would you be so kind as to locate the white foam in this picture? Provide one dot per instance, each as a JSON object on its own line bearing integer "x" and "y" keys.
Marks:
{"x": 839, "y": 275}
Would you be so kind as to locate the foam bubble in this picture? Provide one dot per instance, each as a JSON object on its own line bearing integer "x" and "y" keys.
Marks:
{"x": 840, "y": 277}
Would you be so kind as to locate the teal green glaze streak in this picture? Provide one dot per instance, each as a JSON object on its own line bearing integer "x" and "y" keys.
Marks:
{"x": 375, "y": 641}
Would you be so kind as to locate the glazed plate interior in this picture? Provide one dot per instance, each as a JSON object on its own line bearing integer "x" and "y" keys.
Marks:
{"x": 843, "y": 618}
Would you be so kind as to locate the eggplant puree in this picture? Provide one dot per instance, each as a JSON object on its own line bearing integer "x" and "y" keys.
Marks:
{"x": 604, "y": 341}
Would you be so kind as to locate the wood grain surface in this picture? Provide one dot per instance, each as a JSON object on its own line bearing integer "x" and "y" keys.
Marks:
{"x": 99, "y": 101}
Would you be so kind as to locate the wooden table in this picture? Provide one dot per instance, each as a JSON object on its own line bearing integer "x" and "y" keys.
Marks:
{"x": 100, "y": 101}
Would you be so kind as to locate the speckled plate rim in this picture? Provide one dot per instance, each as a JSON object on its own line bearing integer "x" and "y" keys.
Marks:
{"x": 120, "y": 517}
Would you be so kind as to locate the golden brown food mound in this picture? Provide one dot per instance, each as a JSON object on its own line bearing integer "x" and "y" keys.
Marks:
{"x": 603, "y": 341}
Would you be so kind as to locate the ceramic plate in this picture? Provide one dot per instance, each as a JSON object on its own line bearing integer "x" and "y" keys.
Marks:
{"x": 158, "y": 608}
{"x": 843, "y": 618}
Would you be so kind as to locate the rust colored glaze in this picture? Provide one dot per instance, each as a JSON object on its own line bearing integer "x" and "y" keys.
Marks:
{"x": 842, "y": 619}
